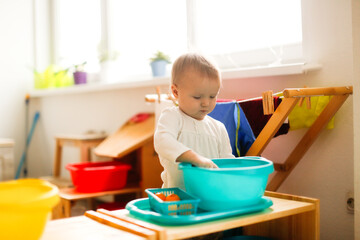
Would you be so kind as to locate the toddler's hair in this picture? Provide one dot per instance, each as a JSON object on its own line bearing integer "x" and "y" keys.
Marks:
{"x": 194, "y": 61}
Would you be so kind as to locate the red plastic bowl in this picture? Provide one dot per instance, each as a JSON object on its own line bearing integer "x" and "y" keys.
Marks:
{"x": 98, "y": 176}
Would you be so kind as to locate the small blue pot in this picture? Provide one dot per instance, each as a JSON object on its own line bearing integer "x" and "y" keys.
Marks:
{"x": 158, "y": 68}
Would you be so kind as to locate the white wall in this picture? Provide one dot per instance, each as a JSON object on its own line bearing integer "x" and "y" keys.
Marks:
{"x": 327, "y": 170}
{"x": 356, "y": 46}
{"x": 16, "y": 55}
{"x": 76, "y": 114}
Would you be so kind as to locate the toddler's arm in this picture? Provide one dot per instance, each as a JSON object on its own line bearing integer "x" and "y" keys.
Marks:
{"x": 167, "y": 145}
{"x": 165, "y": 137}
{"x": 196, "y": 159}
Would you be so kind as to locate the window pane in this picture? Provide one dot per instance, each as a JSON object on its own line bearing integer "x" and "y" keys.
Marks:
{"x": 238, "y": 33}
{"x": 230, "y": 26}
{"x": 78, "y": 32}
{"x": 139, "y": 28}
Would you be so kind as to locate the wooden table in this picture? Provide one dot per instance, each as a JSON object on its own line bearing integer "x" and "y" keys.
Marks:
{"x": 291, "y": 217}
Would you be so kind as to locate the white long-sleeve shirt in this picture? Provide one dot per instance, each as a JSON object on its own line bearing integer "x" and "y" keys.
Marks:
{"x": 177, "y": 133}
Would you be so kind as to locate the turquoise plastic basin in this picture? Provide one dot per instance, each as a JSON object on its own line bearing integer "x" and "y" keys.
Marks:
{"x": 237, "y": 183}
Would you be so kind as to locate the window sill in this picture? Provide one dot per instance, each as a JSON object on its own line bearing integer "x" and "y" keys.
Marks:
{"x": 268, "y": 71}
{"x": 100, "y": 87}
{"x": 288, "y": 69}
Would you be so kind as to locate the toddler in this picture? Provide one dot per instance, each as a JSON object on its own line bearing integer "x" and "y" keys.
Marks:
{"x": 186, "y": 133}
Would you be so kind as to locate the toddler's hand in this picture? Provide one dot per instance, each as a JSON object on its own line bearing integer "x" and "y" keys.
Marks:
{"x": 206, "y": 163}
{"x": 196, "y": 159}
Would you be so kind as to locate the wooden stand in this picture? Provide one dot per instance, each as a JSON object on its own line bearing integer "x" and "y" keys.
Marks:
{"x": 291, "y": 217}
{"x": 291, "y": 98}
{"x": 69, "y": 196}
{"x": 133, "y": 144}
{"x": 84, "y": 142}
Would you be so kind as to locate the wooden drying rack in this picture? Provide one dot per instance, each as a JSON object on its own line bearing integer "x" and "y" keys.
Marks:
{"x": 291, "y": 97}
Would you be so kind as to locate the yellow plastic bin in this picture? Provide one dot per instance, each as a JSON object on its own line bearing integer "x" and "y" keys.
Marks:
{"x": 25, "y": 208}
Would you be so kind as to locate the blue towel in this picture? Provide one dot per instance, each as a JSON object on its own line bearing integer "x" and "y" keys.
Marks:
{"x": 239, "y": 130}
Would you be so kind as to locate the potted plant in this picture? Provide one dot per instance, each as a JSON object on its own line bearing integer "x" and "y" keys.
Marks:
{"x": 107, "y": 60}
{"x": 80, "y": 75}
{"x": 52, "y": 77}
{"x": 158, "y": 64}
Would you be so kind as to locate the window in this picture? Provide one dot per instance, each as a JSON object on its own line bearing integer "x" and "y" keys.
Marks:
{"x": 139, "y": 28}
{"x": 77, "y": 32}
{"x": 246, "y": 33}
{"x": 237, "y": 33}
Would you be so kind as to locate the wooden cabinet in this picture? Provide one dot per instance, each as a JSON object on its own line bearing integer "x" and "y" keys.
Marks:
{"x": 150, "y": 167}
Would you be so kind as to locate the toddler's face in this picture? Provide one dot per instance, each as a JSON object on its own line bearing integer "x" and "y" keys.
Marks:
{"x": 196, "y": 94}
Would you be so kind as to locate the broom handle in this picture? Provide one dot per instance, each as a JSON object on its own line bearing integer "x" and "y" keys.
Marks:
{"x": 22, "y": 160}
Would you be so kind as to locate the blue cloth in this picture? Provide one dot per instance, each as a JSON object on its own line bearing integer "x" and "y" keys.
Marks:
{"x": 239, "y": 130}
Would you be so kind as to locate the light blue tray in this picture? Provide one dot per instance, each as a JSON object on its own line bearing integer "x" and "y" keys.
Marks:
{"x": 140, "y": 208}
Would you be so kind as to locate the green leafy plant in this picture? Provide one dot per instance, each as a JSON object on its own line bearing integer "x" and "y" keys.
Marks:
{"x": 158, "y": 56}
{"x": 104, "y": 55}
{"x": 108, "y": 56}
{"x": 79, "y": 67}
{"x": 52, "y": 77}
